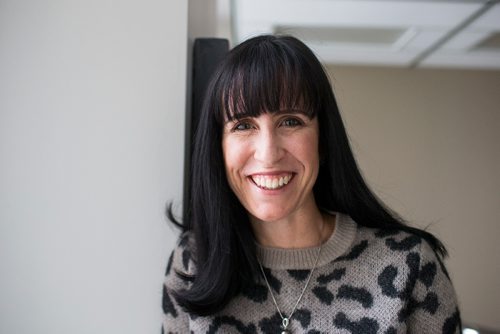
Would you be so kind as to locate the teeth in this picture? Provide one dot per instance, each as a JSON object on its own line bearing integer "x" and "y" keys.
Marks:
{"x": 271, "y": 182}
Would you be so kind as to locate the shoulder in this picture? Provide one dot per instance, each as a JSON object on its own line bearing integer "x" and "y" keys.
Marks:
{"x": 396, "y": 244}
{"x": 400, "y": 260}
{"x": 181, "y": 265}
{"x": 178, "y": 276}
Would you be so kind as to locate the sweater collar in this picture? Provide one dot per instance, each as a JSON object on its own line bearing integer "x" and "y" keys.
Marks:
{"x": 304, "y": 258}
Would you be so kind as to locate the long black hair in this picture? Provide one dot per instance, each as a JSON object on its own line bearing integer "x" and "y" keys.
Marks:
{"x": 264, "y": 74}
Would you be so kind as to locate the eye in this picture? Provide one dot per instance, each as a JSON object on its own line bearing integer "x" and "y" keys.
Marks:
{"x": 291, "y": 122}
{"x": 242, "y": 126}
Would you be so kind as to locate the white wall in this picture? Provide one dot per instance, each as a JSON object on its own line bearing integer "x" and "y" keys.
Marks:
{"x": 92, "y": 102}
{"x": 428, "y": 142}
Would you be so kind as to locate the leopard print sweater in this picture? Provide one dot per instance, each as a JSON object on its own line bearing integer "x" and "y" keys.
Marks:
{"x": 367, "y": 281}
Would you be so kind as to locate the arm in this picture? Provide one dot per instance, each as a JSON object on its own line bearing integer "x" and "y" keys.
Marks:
{"x": 433, "y": 304}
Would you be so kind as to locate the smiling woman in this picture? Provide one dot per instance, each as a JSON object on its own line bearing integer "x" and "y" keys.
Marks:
{"x": 283, "y": 234}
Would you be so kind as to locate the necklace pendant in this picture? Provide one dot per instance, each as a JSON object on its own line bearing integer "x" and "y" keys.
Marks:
{"x": 285, "y": 324}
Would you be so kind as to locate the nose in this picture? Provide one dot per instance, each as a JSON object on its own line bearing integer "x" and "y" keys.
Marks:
{"x": 268, "y": 148}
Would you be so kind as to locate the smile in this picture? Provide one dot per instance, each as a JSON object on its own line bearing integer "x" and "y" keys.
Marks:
{"x": 271, "y": 182}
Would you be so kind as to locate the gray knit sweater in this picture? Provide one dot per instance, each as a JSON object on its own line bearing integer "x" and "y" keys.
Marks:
{"x": 366, "y": 281}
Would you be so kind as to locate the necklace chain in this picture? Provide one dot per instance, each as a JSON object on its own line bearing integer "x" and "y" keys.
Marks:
{"x": 286, "y": 320}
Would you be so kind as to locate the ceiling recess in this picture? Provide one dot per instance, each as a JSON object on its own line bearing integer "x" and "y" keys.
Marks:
{"x": 343, "y": 35}
{"x": 491, "y": 43}
{"x": 463, "y": 34}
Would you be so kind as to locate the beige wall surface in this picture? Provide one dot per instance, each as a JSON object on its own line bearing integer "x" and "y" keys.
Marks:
{"x": 428, "y": 141}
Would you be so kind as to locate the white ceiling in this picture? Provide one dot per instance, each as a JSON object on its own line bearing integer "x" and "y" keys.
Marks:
{"x": 423, "y": 33}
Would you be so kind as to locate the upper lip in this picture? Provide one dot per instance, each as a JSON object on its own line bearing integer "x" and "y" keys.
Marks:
{"x": 273, "y": 173}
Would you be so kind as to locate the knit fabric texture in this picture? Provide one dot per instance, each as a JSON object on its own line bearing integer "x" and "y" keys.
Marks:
{"x": 367, "y": 281}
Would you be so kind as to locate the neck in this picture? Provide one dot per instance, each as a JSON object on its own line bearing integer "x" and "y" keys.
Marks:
{"x": 298, "y": 231}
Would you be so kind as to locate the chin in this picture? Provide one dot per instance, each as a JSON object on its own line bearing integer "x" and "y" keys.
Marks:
{"x": 269, "y": 216}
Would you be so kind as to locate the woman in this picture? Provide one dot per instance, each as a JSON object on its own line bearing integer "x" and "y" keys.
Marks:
{"x": 283, "y": 234}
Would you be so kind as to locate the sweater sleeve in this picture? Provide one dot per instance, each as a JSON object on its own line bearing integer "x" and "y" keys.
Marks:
{"x": 433, "y": 304}
{"x": 175, "y": 319}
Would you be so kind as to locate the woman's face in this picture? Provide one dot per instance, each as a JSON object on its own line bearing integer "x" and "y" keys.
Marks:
{"x": 272, "y": 163}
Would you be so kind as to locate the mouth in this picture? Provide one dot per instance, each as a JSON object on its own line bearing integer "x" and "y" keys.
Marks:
{"x": 271, "y": 182}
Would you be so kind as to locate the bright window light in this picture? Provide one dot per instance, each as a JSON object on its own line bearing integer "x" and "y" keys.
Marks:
{"x": 470, "y": 331}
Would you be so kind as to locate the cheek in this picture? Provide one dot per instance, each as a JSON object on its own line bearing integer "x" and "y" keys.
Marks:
{"x": 228, "y": 154}
{"x": 311, "y": 158}
{"x": 233, "y": 159}
{"x": 307, "y": 150}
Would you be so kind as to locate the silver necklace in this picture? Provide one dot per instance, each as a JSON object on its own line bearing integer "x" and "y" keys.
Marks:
{"x": 285, "y": 321}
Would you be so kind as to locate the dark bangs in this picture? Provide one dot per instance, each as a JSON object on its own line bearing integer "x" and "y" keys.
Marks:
{"x": 267, "y": 76}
